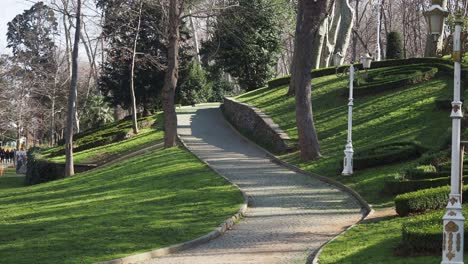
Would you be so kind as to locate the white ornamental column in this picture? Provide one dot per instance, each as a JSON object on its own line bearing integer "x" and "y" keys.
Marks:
{"x": 348, "y": 159}
{"x": 452, "y": 249}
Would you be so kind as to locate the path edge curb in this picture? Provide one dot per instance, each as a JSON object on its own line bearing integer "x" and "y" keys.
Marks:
{"x": 366, "y": 208}
{"x": 219, "y": 231}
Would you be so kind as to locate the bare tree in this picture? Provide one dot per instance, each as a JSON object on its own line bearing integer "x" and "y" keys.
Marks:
{"x": 69, "y": 164}
{"x": 132, "y": 74}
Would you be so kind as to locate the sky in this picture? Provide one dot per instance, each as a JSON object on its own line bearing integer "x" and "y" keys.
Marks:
{"x": 9, "y": 9}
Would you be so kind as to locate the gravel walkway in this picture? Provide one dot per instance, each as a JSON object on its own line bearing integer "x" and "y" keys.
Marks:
{"x": 290, "y": 216}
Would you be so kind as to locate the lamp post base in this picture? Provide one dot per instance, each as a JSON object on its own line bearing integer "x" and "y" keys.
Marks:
{"x": 348, "y": 160}
{"x": 452, "y": 248}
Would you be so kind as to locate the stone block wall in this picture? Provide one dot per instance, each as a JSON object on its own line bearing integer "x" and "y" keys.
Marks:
{"x": 255, "y": 124}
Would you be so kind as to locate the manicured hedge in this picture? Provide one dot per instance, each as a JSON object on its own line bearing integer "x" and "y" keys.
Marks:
{"x": 399, "y": 187}
{"x": 424, "y": 200}
{"x": 417, "y": 75}
{"x": 423, "y": 235}
{"x": 424, "y": 172}
{"x": 435, "y": 62}
{"x": 387, "y": 154}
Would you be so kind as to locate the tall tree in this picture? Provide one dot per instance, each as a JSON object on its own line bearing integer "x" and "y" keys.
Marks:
{"x": 132, "y": 73}
{"x": 311, "y": 15}
{"x": 172, "y": 73}
{"x": 69, "y": 164}
{"x": 246, "y": 41}
{"x": 150, "y": 60}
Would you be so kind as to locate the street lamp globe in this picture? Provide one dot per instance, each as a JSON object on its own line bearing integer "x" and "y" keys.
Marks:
{"x": 435, "y": 16}
{"x": 366, "y": 61}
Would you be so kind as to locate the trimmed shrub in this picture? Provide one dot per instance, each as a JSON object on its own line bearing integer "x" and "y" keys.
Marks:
{"x": 424, "y": 200}
{"x": 405, "y": 186}
{"x": 423, "y": 172}
{"x": 387, "y": 154}
{"x": 394, "y": 46}
{"x": 423, "y": 234}
{"x": 415, "y": 74}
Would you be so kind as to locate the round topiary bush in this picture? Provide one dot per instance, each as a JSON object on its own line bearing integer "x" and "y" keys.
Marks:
{"x": 394, "y": 46}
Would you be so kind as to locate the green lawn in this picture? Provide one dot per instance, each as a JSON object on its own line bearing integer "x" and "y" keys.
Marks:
{"x": 102, "y": 152}
{"x": 372, "y": 243}
{"x": 145, "y": 203}
{"x": 399, "y": 115}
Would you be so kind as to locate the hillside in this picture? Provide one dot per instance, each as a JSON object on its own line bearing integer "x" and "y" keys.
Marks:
{"x": 147, "y": 202}
{"x": 417, "y": 113}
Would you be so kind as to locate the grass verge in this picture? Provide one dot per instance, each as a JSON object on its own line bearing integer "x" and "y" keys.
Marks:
{"x": 145, "y": 203}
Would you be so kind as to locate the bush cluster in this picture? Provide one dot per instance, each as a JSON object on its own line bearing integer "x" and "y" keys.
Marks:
{"x": 415, "y": 75}
{"x": 423, "y": 234}
{"x": 387, "y": 154}
{"x": 422, "y": 172}
{"x": 424, "y": 200}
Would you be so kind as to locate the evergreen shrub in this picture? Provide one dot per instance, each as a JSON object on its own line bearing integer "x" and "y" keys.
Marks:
{"x": 424, "y": 200}
{"x": 394, "y": 46}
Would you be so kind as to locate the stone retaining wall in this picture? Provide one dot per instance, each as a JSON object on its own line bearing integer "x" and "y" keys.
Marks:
{"x": 255, "y": 124}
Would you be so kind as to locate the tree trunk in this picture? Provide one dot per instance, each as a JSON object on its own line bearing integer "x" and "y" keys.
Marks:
{"x": 311, "y": 16}
{"x": 433, "y": 48}
{"x": 171, "y": 76}
{"x": 69, "y": 165}
{"x": 196, "y": 44}
{"x": 132, "y": 76}
{"x": 318, "y": 43}
{"x": 344, "y": 30}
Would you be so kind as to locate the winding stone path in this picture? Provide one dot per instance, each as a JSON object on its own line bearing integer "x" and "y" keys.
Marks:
{"x": 290, "y": 215}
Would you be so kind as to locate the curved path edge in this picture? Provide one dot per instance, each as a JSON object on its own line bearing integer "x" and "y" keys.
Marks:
{"x": 226, "y": 225}
{"x": 367, "y": 209}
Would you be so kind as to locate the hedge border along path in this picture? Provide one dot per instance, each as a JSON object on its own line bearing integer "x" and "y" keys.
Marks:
{"x": 422, "y": 234}
{"x": 424, "y": 200}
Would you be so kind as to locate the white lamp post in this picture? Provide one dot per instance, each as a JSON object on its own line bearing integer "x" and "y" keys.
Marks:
{"x": 348, "y": 159}
{"x": 453, "y": 229}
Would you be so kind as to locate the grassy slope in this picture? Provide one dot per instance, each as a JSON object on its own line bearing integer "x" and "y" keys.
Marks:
{"x": 97, "y": 154}
{"x": 402, "y": 115}
{"x": 372, "y": 243}
{"x": 149, "y": 202}
{"x": 145, "y": 203}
